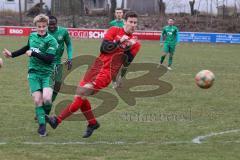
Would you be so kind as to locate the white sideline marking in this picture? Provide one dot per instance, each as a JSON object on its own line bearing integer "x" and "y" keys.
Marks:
{"x": 70, "y": 143}
{"x": 2, "y": 143}
{"x": 186, "y": 74}
{"x": 231, "y": 142}
{"x": 104, "y": 142}
{"x": 199, "y": 139}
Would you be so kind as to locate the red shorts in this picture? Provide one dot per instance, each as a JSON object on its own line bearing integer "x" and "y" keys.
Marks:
{"x": 101, "y": 72}
{"x": 102, "y": 80}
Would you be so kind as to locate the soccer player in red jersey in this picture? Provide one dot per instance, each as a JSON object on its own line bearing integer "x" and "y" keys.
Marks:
{"x": 118, "y": 49}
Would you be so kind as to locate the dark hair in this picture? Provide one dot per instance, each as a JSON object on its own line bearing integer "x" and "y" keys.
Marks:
{"x": 118, "y": 9}
{"x": 131, "y": 14}
{"x": 53, "y": 17}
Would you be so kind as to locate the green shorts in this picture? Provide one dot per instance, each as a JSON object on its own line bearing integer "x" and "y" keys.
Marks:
{"x": 37, "y": 81}
{"x": 58, "y": 73}
{"x": 169, "y": 48}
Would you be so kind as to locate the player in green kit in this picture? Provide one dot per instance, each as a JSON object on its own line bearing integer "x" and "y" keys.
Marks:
{"x": 62, "y": 36}
{"x": 118, "y": 22}
{"x": 41, "y": 50}
{"x": 170, "y": 39}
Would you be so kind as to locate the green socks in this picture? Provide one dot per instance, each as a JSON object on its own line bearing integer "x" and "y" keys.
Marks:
{"x": 54, "y": 96}
{"x": 40, "y": 113}
{"x": 162, "y": 59}
{"x": 47, "y": 108}
{"x": 170, "y": 61}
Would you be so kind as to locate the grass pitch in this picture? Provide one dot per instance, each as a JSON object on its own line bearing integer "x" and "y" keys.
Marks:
{"x": 161, "y": 127}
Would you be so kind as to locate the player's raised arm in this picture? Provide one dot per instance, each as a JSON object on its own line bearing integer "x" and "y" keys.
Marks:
{"x": 6, "y": 53}
{"x": 17, "y": 53}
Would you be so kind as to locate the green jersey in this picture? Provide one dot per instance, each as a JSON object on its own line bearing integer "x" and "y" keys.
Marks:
{"x": 62, "y": 36}
{"x": 42, "y": 45}
{"x": 170, "y": 35}
{"x": 117, "y": 23}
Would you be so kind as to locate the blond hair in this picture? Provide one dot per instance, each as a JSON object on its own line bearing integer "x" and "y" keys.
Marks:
{"x": 41, "y": 18}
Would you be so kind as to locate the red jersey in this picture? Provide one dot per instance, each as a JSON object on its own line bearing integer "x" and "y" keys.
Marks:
{"x": 108, "y": 64}
{"x": 114, "y": 34}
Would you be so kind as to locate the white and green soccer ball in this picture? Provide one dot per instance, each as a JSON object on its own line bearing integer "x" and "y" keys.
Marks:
{"x": 1, "y": 62}
{"x": 204, "y": 79}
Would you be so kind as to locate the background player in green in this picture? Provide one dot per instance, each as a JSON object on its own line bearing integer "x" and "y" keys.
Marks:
{"x": 118, "y": 22}
{"x": 170, "y": 38}
{"x": 41, "y": 49}
{"x": 62, "y": 36}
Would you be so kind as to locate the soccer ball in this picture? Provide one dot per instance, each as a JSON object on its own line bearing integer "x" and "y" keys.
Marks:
{"x": 204, "y": 79}
{"x": 1, "y": 62}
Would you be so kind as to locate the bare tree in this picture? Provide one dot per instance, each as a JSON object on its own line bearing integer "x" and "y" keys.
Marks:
{"x": 20, "y": 12}
{"x": 196, "y": 12}
{"x": 112, "y": 9}
{"x": 41, "y": 4}
{"x": 211, "y": 12}
{"x": 82, "y": 11}
{"x": 123, "y": 4}
{"x": 52, "y": 6}
{"x": 73, "y": 12}
{"x": 25, "y": 5}
{"x": 161, "y": 7}
{"x": 191, "y": 3}
{"x": 235, "y": 8}
{"x": 207, "y": 6}
{"x": 207, "y": 17}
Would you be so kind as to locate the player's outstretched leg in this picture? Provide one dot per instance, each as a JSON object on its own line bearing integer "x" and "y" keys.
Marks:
{"x": 85, "y": 107}
{"x": 53, "y": 122}
{"x": 68, "y": 111}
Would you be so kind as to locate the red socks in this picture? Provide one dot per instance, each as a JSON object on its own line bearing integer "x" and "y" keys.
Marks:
{"x": 70, "y": 109}
{"x": 85, "y": 107}
{"x": 87, "y": 111}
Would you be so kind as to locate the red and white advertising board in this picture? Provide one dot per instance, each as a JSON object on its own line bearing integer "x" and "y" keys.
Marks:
{"x": 76, "y": 33}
